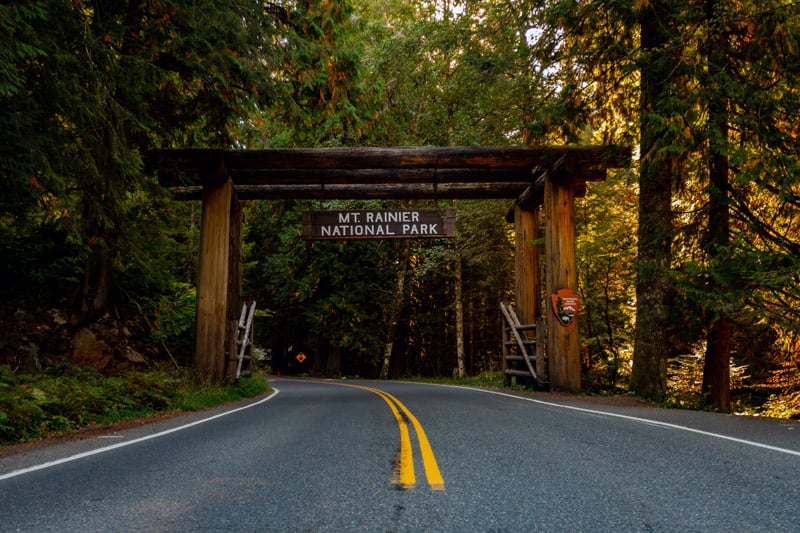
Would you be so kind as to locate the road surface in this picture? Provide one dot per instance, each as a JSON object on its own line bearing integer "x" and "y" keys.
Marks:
{"x": 401, "y": 457}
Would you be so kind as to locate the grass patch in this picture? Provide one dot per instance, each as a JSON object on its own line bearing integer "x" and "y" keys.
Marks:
{"x": 484, "y": 379}
{"x": 67, "y": 398}
{"x": 200, "y": 397}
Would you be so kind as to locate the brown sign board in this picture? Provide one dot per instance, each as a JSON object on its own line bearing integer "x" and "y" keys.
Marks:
{"x": 379, "y": 224}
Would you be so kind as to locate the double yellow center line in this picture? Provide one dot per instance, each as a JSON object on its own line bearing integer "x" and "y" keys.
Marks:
{"x": 404, "y": 472}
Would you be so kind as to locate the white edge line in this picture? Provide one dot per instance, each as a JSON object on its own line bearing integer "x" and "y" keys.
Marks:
{"x": 82, "y": 455}
{"x": 638, "y": 420}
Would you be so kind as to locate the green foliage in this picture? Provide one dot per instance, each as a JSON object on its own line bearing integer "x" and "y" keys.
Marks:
{"x": 685, "y": 374}
{"x": 325, "y": 296}
{"x": 174, "y": 317}
{"x": 18, "y": 46}
{"x": 486, "y": 378}
{"x": 16, "y": 21}
{"x": 69, "y": 398}
{"x": 325, "y": 100}
{"x": 584, "y": 53}
{"x": 333, "y": 299}
{"x": 606, "y": 250}
{"x": 450, "y": 76}
{"x": 785, "y": 405}
{"x": 90, "y": 90}
{"x": 205, "y": 396}
{"x": 42, "y": 260}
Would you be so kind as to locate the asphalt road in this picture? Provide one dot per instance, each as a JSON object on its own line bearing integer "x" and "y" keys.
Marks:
{"x": 332, "y": 456}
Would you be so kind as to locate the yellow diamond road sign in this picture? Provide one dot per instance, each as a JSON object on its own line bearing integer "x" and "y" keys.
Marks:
{"x": 300, "y": 357}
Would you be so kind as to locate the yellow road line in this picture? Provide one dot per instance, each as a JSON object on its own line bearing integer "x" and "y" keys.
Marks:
{"x": 405, "y": 474}
{"x": 405, "y": 468}
{"x": 432, "y": 472}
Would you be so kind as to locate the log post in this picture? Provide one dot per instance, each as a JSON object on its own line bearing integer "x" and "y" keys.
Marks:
{"x": 528, "y": 250}
{"x": 234, "y": 309}
{"x": 564, "y": 355}
{"x": 212, "y": 282}
{"x": 528, "y": 274}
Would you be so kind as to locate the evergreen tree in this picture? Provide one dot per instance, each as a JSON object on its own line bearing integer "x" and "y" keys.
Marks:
{"x": 663, "y": 111}
{"x": 104, "y": 83}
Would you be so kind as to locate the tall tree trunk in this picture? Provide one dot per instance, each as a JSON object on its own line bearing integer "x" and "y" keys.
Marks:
{"x": 98, "y": 272}
{"x": 460, "y": 370}
{"x": 98, "y": 278}
{"x": 397, "y": 307}
{"x": 716, "y": 371}
{"x": 333, "y": 364}
{"x": 717, "y": 367}
{"x": 649, "y": 375}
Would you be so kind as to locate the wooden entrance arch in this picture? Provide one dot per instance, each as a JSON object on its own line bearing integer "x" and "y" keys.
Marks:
{"x": 534, "y": 177}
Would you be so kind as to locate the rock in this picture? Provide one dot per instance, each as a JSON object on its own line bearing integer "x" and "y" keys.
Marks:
{"x": 88, "y": 351}
{"x": 133, "y": 356}
{"x": 58, "y": 318}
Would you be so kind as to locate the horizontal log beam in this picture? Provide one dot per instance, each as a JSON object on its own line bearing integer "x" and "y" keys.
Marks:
{"x": 367, "y": 176}
{"x": 428, "y": 157}
{"x": 416, "y": 172}
{"x": 416, "y": 191}
{"x": 176, "y": 167}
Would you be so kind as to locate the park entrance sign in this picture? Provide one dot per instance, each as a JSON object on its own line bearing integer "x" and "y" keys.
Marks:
{"x": 542, "y": 181}
{"x": 379, "y": 224}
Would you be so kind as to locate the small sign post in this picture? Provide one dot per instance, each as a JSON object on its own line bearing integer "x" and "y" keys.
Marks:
{"x": 379, "y": 224}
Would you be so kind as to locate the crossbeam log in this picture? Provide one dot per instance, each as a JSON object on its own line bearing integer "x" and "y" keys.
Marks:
{"x": 421, "y": 191}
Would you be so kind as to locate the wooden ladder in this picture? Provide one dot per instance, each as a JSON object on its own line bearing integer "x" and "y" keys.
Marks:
{"x": 245, "y": 336}
{"x": 518, "y": 340}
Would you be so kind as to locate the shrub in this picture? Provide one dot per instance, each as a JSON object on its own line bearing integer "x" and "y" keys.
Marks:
{"x": 68, "y": 398}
